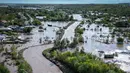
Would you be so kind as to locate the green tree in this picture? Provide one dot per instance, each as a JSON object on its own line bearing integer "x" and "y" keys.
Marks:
{"x": 3, "y": 69}
{"x": 80, "y": 39}
{"x": 71, "y": 18}
{"x": 27, "y": 29}
{"x": 120, "y": 40}
{"x": 36, "y": 22}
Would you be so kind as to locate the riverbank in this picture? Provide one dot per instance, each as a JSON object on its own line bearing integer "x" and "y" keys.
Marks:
{"x": 79, "y": 62}
{"x": 62, "y": 66}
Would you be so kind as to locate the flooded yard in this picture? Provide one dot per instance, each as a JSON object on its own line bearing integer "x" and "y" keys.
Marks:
{"x": 94, "y": 38}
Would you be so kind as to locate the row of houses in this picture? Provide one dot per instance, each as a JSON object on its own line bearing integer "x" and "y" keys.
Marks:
{"x": 5, "y": 39}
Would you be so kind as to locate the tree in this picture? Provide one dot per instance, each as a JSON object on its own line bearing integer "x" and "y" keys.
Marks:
{"x": 82, "y": 22}
{"x": 27, "y": 29}
{"x": 74, "y": 43}
{"x": 122, "y": 24}
{"x": 120, "y": 40}
{"x": 79, "y": 30}
{"x": 81, "y": 62}
{"x": 80, "y": 39}
{"x": 36, "y": 22}
{"x": 3, "y": 69}
{"x": 71, "y": 18}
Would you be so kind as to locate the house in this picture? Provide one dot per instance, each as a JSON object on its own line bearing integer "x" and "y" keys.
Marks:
{"x": 2, "y": 37}
{"x": 5, "y": 29}
{"x": 2, "y": 22}
{"x": 109, "y": 55}
{"x": 40, "y": 17}
{"x": 49, "y": 25}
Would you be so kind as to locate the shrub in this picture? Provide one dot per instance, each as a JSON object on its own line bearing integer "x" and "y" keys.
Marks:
{"x": 120, "y": 40}
{"x": 36, "y": 22}
{"x": 3, "y": 69}
{"x": 27, "y": 29}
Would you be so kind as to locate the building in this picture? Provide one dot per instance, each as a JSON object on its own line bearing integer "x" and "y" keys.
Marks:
{"x": 40, "y": 17}
{"x": 5, "y": 29}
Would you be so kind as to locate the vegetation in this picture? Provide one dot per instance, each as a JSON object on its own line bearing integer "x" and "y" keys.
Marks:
{"x": 1, "y": 49}
{"x": 122, "y": 24}
{"x": 120, "y": 40}
{"x": 14, "y": 52}
{"x": 74, "y": 43}
{"x": 60, "y": 45}
{"x": 78, "y": 33}
{"x": 118, "y": 9}
{"x": 27, "y": 29}
{"x": 36, "y": 22}
{"x": 23, "y": 66}
{"x": 82, "y": 22}
{"x": 3, "y": 69}
{"x": 79, "y": 62}
{"x": 55, "y": 15}
{"x": 80, "y": 39}
{"x": 79, "y": 30}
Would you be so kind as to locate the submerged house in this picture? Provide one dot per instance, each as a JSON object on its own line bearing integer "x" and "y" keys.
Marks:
{"x": 40, "y": 17}
{"x": 5, "y": 29}
{"x": 2, "y": 22}
{"x": 109, "y": 55}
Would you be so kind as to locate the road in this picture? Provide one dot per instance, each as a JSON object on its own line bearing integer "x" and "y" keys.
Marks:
{"x": 34, "y": 55}
{"x": 70, "y": 31}
{"x": 38, "y": 62}
{"x": 31, "y": 19}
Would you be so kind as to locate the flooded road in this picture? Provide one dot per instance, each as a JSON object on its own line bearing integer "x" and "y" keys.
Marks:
{"x": 70, "y": 31}
{"x": 33, "y": 55}
{"x": 38, "y": 62}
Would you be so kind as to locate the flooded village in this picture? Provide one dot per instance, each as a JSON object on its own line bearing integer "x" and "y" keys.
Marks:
{"x": 43, "y": 40}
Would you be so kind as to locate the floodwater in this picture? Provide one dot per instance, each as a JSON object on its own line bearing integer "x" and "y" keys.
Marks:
{"x": 50, "y": 32}
{"x": 77, "y": 17}
{"x": 70, "y": 31}
{"x": 38, "y": 62}
{"x": 93, "y": 42}
{"x": 33, "y": 55}
{"x": 93, "y": 39}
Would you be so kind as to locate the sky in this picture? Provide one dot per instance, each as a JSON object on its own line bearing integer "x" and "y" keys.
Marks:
{"x": 66, "y": 1}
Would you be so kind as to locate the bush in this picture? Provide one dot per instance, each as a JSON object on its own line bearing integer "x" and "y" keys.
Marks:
{"x": 14, "y": 52}
{"x": 74, "y": 43}
{"x": 79, "y": 30}
{"x": 36, "y": 22}
{"x": 80, "y": 39}
{"x": 120, "y": 40}
{"x": 86, "y": 63}
{"x": 82, "y": 22}
{"x": 24, "y": 68}
{"x": 3, "y": 69}
{"x": 27, "y": 29}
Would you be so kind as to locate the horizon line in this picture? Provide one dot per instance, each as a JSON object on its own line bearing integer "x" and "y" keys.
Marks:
{"x": 67, "y": 3}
